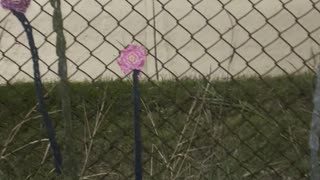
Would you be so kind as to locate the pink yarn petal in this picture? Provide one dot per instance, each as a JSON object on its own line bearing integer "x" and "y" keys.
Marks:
{"x": 132, "y": 57}
{"x": 17, "y": 5}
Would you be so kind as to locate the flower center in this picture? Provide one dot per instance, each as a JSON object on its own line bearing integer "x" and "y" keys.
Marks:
{"x": 132, "y": 58}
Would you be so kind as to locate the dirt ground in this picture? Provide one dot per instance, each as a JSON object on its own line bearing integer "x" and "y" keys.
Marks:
{"x": 243, "y": 37}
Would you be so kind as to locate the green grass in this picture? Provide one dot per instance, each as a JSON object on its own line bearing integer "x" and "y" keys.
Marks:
{"x": 192, "y": 129}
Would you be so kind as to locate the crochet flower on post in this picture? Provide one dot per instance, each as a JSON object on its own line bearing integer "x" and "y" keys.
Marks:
{"x": 16, "y": 5}
{"x": 18, "y": 8}
{"x": 132, "y": 58}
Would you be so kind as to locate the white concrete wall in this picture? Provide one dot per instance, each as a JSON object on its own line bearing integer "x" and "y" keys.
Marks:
{"x": 208, "y": 52}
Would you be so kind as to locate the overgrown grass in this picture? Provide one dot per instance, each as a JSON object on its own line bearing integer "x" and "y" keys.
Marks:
{"x": 192, "y": 129}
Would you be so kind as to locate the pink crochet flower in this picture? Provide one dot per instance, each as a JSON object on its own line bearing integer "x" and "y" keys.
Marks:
{"x": 131, "y": 58}
{"x": 17, "y": 5}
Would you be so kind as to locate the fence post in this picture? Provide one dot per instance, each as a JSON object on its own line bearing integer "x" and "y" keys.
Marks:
{"x": 70, "y": 166}
{"x": 315, "y": 130}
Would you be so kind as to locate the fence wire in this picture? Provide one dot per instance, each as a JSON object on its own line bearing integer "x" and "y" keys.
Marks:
{"x": 226, "y": 92}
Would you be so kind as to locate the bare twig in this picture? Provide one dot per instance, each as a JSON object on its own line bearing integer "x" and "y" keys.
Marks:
{"x": 23, "y": 147}
{"x": 99, "y": 174}
{"x": 186, "y": 152}
{"x": 15, "y": 131}
{"x": 90, "y": 134}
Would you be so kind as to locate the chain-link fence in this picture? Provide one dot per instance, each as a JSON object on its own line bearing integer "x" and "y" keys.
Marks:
{"x": 226, "y": 92}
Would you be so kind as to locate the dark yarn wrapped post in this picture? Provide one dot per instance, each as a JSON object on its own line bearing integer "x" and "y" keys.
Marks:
{"x": 39, "y": 91}
{"x": 137, "y": 126}
{"x": 131, "y": 59}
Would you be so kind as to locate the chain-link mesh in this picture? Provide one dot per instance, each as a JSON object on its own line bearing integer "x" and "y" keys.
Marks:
{"x": 226, "y": 91}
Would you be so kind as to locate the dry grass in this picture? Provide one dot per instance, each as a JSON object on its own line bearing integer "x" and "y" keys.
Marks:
{"x": 191, "y": 129}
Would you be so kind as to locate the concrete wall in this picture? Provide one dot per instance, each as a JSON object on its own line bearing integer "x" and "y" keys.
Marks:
{"x": 230, "y": 38}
